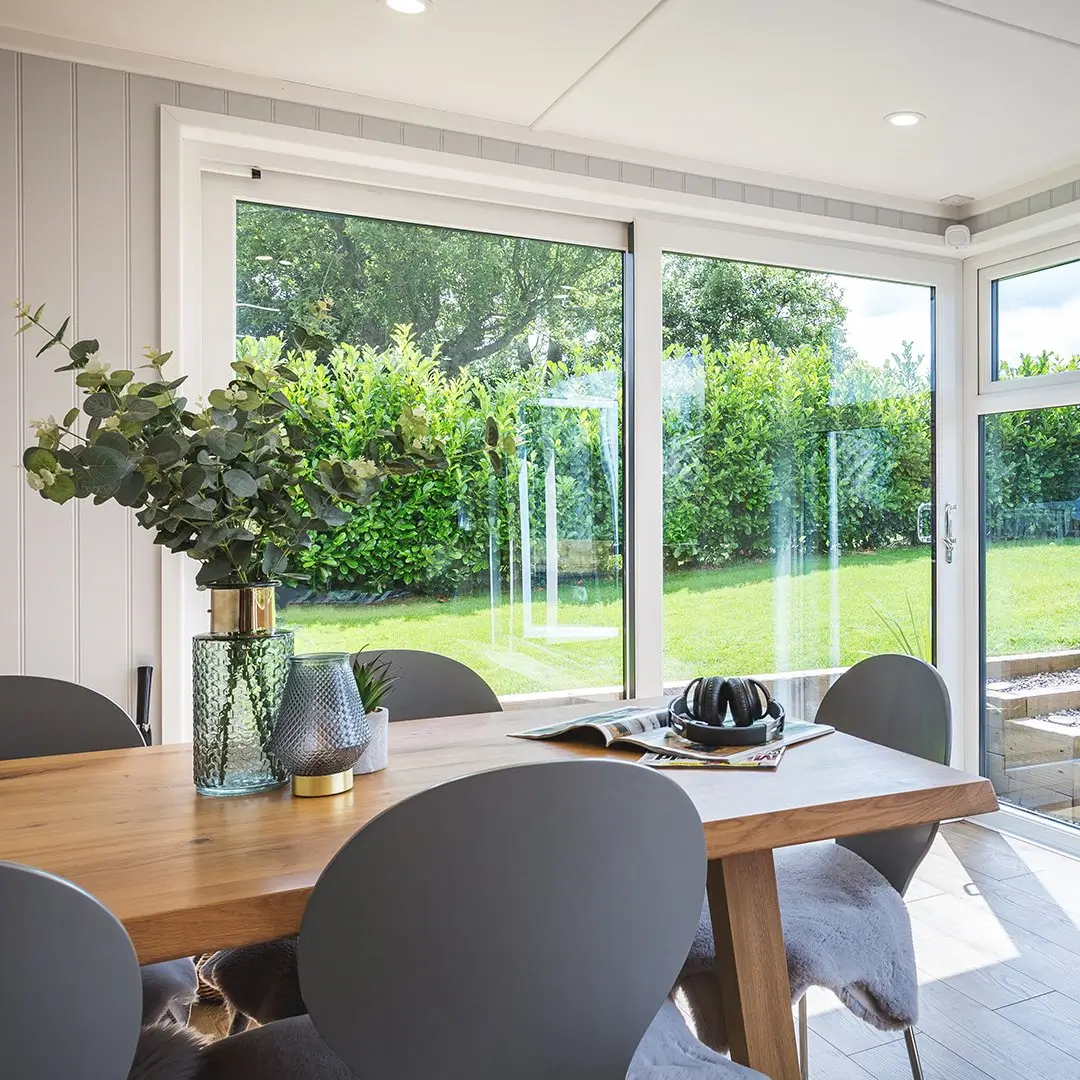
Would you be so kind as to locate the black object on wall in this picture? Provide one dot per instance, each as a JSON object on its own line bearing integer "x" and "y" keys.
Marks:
{"x": 142, "y": 704}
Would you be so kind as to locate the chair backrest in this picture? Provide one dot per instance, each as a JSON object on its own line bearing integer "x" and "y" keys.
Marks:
{"x": 50, "y": 716}
{"x": 525, "y": 922}
{"x": 430, "y": 684}
{"x": 900, "y": 702}
{"x": 70, "y": 994}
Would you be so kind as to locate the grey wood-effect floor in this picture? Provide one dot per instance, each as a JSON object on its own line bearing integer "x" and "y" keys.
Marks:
{"x": 997, "y": 939}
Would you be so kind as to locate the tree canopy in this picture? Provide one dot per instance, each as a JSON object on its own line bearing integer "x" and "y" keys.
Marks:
{"x": 496, "y": 303}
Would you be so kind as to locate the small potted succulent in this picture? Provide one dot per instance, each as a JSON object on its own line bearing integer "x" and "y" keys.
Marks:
{"x": 373, "y": 680}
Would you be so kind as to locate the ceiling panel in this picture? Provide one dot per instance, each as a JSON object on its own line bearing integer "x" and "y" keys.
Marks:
{"x": 501, "y": 59}
{"x": 801, "y": 89}
{"x": 1058, "y": 18}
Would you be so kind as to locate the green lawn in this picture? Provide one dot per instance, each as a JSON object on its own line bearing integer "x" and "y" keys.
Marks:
{"x": 739, "y": 619}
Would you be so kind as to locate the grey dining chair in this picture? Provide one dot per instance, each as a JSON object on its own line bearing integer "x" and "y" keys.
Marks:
{"x": 845, "y": 924}
{"x": 525, "y": 922}
{"x": 65, "y": 960}
{"x": 260, "y": 982}
{"x": 44, "y": 716}
{"x": 430, "y": 684}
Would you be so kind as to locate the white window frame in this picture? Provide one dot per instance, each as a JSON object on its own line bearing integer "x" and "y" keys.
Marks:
{"x": 504, "y": 199}
{"x": 1034, "y": 387}
{"x": 986, "y": 397}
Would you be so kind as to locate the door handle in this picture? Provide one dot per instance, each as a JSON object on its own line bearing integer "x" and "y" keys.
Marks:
{"x": 949, "y": 539}
{"x": 922, "y": 523}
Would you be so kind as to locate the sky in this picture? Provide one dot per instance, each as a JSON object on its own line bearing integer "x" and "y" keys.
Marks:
{"x": 882, "y": 315}
{"x": 1040, "y": 311}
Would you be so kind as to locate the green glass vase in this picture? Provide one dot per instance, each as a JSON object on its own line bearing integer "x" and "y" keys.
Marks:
{"x": 239, "y": 671}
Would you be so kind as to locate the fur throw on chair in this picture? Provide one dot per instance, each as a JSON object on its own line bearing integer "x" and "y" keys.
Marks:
{"x": 167, "y": 1052}
{"x": 845, "y": 928}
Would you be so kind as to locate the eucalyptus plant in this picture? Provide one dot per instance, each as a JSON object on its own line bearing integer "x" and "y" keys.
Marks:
{"x": 237, "y": 483}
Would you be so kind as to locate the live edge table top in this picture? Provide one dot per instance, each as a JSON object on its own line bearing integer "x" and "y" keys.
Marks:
{"x": 188, "y": 874}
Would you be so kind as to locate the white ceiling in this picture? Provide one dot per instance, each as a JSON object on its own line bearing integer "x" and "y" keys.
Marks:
{"x": 788, "y": 87}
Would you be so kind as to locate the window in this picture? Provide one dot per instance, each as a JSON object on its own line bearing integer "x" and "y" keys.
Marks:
{"x": 798, "y": 472}
{"x": 1031, "y": 602}
{"x": 1035, "y": 327}
{"x": 513, "y": 567}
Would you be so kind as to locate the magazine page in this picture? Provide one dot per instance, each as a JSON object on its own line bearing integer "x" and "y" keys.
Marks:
{"x": 667, "y": 742}
{"x": 763, "y": 758}
{"x": 627, "y": 722}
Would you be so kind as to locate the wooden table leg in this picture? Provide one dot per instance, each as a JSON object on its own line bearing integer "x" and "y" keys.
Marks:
{"x": 751, "y": 965}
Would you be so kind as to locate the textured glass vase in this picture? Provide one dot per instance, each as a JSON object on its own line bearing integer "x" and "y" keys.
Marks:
{"x": 239, "y": 671}
{"x": 321, "y": 729}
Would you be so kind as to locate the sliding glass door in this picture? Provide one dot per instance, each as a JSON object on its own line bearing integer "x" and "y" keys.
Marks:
{"x": 500, "y": 358}
{"x": 799, "y": 490}
{"x": 1030, "y": 532}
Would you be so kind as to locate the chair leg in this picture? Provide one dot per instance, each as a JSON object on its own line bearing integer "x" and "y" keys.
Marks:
{"x": 913, "y": 1054}
{"x": 804, "y": 1040}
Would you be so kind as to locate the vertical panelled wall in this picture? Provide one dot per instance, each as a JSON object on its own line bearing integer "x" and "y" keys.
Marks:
{"x": 79, "y": 226}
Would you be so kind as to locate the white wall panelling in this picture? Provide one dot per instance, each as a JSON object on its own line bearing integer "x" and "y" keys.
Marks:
{"x": 79, "y": 223}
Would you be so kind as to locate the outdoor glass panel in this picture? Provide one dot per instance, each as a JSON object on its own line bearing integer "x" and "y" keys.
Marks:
{"x": 1031, "y": 598}
{"x": 798, "y": 473}
{"x": 514, "y": 566}
{"x": 1035, "y": 322}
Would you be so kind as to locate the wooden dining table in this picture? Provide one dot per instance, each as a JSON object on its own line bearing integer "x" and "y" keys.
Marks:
{"x": 188, "y": 874}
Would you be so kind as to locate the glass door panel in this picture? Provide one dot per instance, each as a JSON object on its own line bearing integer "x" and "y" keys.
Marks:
{"x": 1031, "y": 607}
{"x": 514, "y": 569}
{"x": 798, "y": 473}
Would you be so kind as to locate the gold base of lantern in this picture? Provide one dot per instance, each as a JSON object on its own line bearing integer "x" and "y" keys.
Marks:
{"x": 309, "y": 787}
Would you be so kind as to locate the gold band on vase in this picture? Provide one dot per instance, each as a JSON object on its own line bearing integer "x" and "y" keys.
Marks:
{"x": 313, "y": 786}
{"x": 245, "y": 609}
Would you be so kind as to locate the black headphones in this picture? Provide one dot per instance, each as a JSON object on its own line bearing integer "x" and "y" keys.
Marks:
{"x": 700, "y": 714}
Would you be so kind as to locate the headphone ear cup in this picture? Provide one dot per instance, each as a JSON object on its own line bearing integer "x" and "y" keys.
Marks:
{"x": 745, "y": 704}
{"x": 714, "y": 700}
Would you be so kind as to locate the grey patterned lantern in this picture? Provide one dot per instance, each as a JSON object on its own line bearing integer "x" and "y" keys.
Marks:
{"x": 321, "y": 730}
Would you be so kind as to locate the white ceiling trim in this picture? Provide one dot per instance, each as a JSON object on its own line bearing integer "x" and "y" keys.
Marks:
{"x": 240, "y": 82}
{"x": 248, "y": 143}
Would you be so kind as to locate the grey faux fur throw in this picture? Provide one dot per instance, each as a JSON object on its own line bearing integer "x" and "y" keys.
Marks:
{"x": 845, "y": 928}
{"x": 167, "y": 1052}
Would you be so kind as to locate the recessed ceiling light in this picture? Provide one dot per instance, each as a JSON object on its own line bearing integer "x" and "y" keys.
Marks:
{"x": 905, "y": 118}
{"x": 408, "y": 7}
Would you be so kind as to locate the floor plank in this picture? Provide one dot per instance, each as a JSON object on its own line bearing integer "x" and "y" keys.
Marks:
{"x": 891, "y": 1062}
{"x": 1055, "y": 1018}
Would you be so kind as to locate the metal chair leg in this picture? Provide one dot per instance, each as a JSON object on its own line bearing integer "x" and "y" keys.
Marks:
{"x": 804, "y": 1040}
{"x": 913, "y": 1054}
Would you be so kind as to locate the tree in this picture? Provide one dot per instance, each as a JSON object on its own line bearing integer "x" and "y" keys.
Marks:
{"x": 315, "y": 279}
{"x": 743, "y": 302}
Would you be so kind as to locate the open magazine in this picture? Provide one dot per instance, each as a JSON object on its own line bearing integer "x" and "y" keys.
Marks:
{"x": 648, "y": 730}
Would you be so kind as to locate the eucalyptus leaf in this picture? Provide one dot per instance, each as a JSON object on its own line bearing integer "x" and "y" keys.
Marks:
{"x": 105, "y": 469}
{"x": 61, "y": 489}
{"x": 193, "y": 479}
{"x": 240, "y": 483}
{"x": 223, "y": 419}
{"x": 101, "y": 405}
{"x": 220, "y": 399}
{"x": 37, "y": 458}
{"x": 224, "y": 444}
{"x": 71, "y": 416}
{"x": 167, "y": 449}
{"x": 131, "y": 489}
{"x": 115, "y": 441}
{"x": 81, "y": 351}
{"x": 139, "y": 409}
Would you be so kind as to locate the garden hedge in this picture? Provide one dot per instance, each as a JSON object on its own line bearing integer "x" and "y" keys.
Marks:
{"x": 762, "y": 450}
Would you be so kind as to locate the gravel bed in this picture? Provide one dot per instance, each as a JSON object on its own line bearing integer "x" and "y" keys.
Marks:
{"x": 1064, "y": 717}
{"x": 1042, "y": 681}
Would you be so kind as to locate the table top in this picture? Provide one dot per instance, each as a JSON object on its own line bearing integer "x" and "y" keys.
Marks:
{"x": 188, "y": 874}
